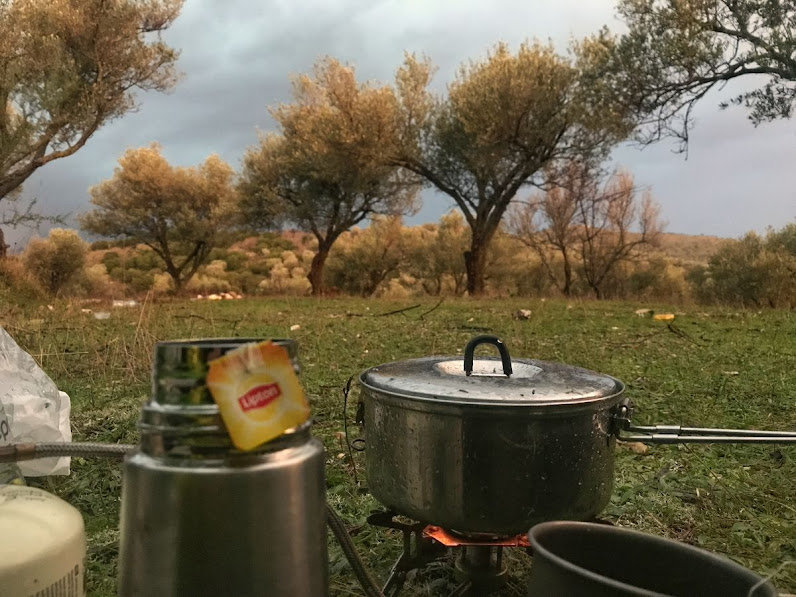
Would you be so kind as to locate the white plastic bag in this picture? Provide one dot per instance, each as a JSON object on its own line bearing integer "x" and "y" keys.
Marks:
{"x": 37, "y": 411}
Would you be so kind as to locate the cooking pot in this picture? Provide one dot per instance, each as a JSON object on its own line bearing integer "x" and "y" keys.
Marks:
{"x": 489, "y": 445}
{"x": 495, "y": 445}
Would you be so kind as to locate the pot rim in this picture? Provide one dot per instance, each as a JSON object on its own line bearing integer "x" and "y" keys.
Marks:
{"x": 536, "y": 547}
{"x": 568, "y": 403}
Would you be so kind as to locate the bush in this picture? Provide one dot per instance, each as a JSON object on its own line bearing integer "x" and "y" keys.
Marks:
{"x": 753, "y": 271}
{"x": 17, "y": 284}
{"x": 135, "y": 268}
{"x": 95, "y": 281}
{"x": 245, "y": 281}
{"x": 206, "y": 284}
{"x": 56, "y": 260}
{"x": 162, "y": 284}
{"x": 100, "y": 245}
{"x": 274, "y": 243}
{"x": 362, "y": 260}
{"x": 283, "y": 281}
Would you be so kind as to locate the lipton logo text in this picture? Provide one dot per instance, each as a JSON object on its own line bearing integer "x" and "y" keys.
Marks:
{"x": 259, "y": 397}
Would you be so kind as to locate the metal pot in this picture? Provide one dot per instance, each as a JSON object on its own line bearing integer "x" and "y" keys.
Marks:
{"x": 489, "y": 445}
{"x": 594, "y": 560}
{"x": 495, "y": 446}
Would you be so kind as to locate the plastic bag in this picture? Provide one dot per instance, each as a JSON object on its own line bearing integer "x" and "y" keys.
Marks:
{"x": 36, "y": 410}
{"x": 9, "y": 471}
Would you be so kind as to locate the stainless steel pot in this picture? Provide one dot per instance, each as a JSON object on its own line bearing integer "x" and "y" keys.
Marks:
{"x": 489, "y": 445}
{"x": 497, "y": 445}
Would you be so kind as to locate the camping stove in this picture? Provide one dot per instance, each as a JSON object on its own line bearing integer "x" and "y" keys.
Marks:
{"x": 479, "y": 565}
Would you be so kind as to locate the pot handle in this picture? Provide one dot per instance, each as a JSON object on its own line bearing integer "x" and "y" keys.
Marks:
{"x": 495, "y": 341}
{"x": 675, "y": 434}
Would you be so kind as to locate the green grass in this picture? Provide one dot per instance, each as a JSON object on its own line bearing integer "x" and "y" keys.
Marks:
{"x": 737, "y": 500}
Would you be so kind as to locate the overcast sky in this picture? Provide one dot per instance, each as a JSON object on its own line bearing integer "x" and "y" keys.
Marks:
{"x": 237, "y": 55}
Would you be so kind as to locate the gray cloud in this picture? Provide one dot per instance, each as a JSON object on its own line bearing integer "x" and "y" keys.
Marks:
{"x": 237, "y": 57}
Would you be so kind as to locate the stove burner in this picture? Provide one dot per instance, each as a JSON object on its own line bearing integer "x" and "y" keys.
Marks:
{"x": 453, "y": 539}
{"x": 479, "y": 566}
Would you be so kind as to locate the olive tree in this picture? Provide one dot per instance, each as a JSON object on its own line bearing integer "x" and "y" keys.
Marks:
{"x": 68, "y": 67}
{"x": 675, "y": 52}
{"x": 179, "y": 213}
{"x": 326, "y": 170}
{"x": 506, "y": 118}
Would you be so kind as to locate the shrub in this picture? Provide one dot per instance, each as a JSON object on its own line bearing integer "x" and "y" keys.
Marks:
{"x": 206, "y": 284}
{"x": 753, "y": 271}
{"x": 363, "y": 260}
{"x": 274, "y": 242}
{"x": 95, "y": 281}
{"x": 56, "y": 260}
{"x": 162, "y": 284}
{"x": 17, "y": 284}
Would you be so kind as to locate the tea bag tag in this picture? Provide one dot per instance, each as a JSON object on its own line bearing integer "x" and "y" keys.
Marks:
{"x": 258, "y": 393}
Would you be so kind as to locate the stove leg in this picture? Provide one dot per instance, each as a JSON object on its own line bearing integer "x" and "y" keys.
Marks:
{"x": 417, "y": 552}
{"x": 396, "y": 579}
{"x": 464, "y": 590}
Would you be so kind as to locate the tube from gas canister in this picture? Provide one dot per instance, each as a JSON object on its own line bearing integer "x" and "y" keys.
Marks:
{"x": 200, "y": 518}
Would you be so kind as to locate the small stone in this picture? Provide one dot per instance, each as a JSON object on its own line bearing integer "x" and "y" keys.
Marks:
{"x": 295, "y": 327}
{"x": 636, "y": 447}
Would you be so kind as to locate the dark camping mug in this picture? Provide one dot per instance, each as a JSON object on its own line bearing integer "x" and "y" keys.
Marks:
{"x": 578, "y": 559}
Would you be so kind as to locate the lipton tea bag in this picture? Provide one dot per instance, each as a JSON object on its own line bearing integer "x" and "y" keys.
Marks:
{"x": 258, "y": 393}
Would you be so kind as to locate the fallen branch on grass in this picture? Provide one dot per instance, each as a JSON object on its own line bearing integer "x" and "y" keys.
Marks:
{"x": 434, "y": 308}
{"x": 397, "y": 311}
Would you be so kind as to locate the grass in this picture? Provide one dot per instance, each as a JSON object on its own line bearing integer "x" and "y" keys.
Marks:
{"x": 737, "y": 500}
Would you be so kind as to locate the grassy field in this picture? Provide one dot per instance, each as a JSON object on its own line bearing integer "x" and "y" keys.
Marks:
{"x": 723, "y": 368}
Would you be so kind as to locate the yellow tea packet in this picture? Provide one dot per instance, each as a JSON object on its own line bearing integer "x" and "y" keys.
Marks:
{"x": 258, "y": 393}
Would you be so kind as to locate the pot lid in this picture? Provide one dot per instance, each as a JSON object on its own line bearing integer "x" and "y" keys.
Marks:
{"x": 499, "y": 381}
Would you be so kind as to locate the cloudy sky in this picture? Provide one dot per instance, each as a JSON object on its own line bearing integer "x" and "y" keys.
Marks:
{"x": 237, "y": 56}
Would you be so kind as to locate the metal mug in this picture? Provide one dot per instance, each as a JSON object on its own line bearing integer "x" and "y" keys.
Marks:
{"x": 580, "y": 559}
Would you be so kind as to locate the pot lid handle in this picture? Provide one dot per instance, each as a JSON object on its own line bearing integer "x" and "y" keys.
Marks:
{"x": 495, "y": 341}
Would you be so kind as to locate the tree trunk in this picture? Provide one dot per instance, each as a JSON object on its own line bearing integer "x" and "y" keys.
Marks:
{"x": 316, "y": 270}
{"x": 475, "y": 263}
{"x": 3, "y": 245}
{"x": 178, "y": 282}
{"x": 567, "y": 275}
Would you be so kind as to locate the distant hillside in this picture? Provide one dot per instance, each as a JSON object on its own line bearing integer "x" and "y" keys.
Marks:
{"x": 690, "y": 248}
{"x": 686, "y": 248}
